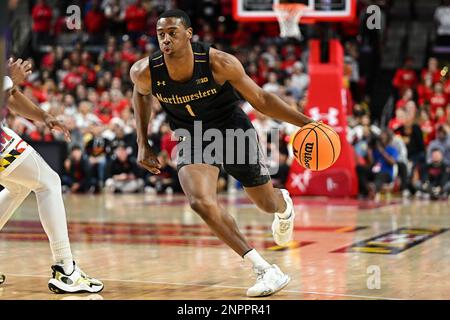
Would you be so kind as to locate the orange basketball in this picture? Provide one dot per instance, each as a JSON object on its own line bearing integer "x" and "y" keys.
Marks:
{"x": 316, "y": 146}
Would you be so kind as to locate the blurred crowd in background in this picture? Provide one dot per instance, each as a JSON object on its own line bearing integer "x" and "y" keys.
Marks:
{"x": 82, "y": 77}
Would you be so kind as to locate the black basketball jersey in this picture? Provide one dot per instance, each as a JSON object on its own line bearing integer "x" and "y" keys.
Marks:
{"x": 199, "y": 99}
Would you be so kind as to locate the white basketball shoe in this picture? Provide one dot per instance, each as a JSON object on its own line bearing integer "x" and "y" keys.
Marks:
{"x": 282, "y": 229}
{"x": 2, "y": 278}
{"x": 76, "y": 282}
{"x": 268, "y": 281}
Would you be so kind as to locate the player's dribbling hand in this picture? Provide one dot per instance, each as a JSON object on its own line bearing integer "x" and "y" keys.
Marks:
{"x": 148, "y": 159}
{"x": 53, "y": 124}
{"x": 18, "y": 70}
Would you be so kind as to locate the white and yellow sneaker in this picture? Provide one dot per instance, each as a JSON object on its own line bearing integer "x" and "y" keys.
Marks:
{"x": 282, "y": 229}
{"x": 2, "y": 278}
{"x": 268, "y": 281}
{"x": 76, "y": 282}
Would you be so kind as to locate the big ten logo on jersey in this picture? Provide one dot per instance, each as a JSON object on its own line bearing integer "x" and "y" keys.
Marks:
{"x": 5, "y": 141}
{"x": 202, "y": 80}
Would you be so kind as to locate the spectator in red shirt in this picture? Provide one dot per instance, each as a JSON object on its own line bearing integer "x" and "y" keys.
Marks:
{"x": 241, "y": 37}
{"x": 411, "y": 111}
{"x": 425, "y": 89}
{"x": 252, "y": 71}
{"x": 104, "y": 114}
{"x": 86, "y": 70}
{"x": 95, "y": 23}
{"x": 48, "y": 60}
{"x": 118, "y": 102}
{"x": 128, "y": 52}
{"x": 286, "y": 64}
{"x": 42, "y": 17}
{"x": 60, "y": 26}
{"x": 405, "y": 77}
{"x": 407, "y": 96}
{"x": 447, "y": 89}
{"x": 447, "y": 115}
{"x": 427, "y": 127}
{"x": 432, "y": 70}
{"x": 440, "y": 116}
{"x": 289, "y": 49}
{"x": 106, "y": 58}
{"x": 41, "y": 133}
{"x": 136, "y": 20}
{"x": 438, "y": 99}
{"x": 36, "y": 89}
{"x": 72, "y": 79}
{"x": 271, "y": 30}
{"x": 352, "y": 28}
{"x": 152, "y": 21}
{"x": 65, "y": 69}
{"x": 398, "y": 120}
{"x": 105, "y": 100}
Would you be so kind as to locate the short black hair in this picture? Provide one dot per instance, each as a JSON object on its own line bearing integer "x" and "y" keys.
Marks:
{"x": 436, "y": 149}
{"x": 177, "y": 13}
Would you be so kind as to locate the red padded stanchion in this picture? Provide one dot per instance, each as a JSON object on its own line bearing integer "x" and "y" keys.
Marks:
{"x": 327, "y": 102}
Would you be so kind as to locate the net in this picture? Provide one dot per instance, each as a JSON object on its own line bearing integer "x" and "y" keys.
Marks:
{"x": 288, "y": 16}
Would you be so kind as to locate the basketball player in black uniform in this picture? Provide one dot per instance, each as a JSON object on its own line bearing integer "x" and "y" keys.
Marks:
{"x": 194, "y": 82}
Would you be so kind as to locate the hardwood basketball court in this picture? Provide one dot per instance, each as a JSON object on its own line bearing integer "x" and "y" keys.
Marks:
{"x": 148, "y": 247}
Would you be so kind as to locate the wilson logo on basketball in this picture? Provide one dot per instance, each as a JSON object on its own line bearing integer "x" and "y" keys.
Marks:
{"x": 308, "y": 153}
{"x": 318, "y": 144}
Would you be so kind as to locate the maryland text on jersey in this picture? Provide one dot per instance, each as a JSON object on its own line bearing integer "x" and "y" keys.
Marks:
{"x": 176, "y": 99}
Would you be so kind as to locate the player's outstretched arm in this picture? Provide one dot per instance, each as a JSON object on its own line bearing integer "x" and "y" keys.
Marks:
{"x": 19, "y": 70}
{"x": 23, "y": 106}
{"x": 227, "y": 67}
{"x": 142, "y": 104}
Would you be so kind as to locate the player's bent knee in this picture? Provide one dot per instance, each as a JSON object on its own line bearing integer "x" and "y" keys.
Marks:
{"x": 203, "y": 206}
{"x": 49, "y": 180}
{"x": 53, "y": 178}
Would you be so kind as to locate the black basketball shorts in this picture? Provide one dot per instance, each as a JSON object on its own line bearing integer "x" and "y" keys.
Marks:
{"x": 234, "y": 146}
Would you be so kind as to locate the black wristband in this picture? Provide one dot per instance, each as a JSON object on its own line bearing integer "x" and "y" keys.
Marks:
{"x": 247, "y": 252}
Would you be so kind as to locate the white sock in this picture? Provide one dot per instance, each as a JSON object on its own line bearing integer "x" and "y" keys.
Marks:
{"x": 286, "y": 213}
{"x": 62, "y": 255}
{"x": 256, "y": 260}
{"x": 67, "y": 265}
